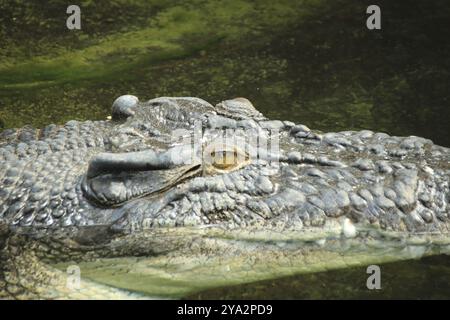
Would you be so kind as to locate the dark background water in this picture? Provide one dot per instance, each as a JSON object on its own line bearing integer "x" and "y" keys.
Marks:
{"x": 427, "y": 278}
{"x": 312, "y": 62}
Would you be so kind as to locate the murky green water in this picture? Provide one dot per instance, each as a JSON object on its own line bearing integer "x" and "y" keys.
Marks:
{"x": 427, "y": 278}
{"x": 311, "y": 61}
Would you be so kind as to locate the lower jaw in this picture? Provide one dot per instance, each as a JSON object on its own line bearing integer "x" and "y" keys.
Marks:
{"x": 218, "y": 262}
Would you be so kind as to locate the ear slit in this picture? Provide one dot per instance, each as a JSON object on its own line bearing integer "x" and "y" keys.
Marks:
{"x": 116, "y": 189}
{"x": 145, "y": 160}
{"x": 133, "y": 161}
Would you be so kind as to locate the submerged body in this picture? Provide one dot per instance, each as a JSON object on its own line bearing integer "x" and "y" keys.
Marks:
{"x": 175, "y": 195}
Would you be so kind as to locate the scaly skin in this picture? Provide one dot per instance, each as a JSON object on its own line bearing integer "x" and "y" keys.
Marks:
{"x": 125, "y": 187}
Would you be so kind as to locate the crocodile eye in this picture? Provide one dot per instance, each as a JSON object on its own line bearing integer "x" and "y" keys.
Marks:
{"x": 225, "y": 158}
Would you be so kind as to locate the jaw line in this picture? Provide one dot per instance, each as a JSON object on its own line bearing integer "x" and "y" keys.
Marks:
{"x": 216, "y": 258}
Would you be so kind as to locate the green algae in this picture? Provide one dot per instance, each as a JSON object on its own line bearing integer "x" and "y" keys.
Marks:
{"x": 172, "y": 33}
{"x": 308, "y": 61}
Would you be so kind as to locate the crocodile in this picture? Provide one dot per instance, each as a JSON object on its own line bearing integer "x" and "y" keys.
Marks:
{"x": 173, "y": 195}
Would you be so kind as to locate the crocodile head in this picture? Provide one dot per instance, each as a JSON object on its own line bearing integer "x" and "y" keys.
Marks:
{"x": 216, "y": 195}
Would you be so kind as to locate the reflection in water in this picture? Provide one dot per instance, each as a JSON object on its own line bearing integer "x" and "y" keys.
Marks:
{"x": 323, "y": 69}
{"x": 411, "y": 279}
